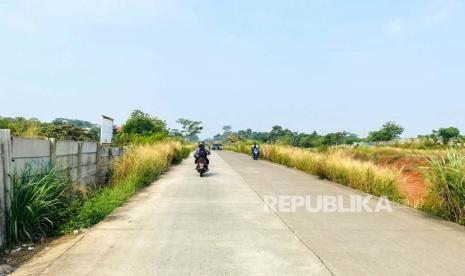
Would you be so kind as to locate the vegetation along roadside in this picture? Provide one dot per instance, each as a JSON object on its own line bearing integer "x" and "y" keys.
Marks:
{"x": 46, "y": 204}
{"x": 384, "y": 171}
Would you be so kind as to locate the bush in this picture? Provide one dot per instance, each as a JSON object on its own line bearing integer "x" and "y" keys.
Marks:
{"x": 446, "y": 195}
{"x": 36, "y": 203}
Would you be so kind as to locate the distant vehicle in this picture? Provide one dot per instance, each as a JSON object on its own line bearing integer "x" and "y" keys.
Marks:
{"x": 217, "y": 146}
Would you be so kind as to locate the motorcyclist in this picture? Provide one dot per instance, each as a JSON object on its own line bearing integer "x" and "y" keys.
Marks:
{"x": 202, "y": 151}
{"x": 254, "y": 146}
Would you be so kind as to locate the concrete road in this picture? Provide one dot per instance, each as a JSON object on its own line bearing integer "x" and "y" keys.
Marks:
{"x": 217, "y": 225}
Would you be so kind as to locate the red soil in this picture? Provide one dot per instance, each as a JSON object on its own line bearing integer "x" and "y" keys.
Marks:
{"x": 414, "y": 188}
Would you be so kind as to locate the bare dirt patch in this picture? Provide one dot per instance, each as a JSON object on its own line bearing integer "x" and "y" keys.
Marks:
{"x": 415, "y": 185}
{"x": 20, "y": 254}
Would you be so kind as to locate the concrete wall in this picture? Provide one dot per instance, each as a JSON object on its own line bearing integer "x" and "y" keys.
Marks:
{"x": 85, "y": 162}
{"x": 81, "y": 160}
{"x": 30, "y": 153}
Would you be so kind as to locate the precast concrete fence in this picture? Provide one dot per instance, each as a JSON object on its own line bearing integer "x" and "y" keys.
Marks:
{"x": 86, "y": 163}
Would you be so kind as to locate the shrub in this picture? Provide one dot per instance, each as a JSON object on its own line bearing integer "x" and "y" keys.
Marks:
{"x": 446, "y": 195}
{"x": 36, "y": 203}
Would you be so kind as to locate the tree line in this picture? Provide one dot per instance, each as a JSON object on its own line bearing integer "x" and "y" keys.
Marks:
{"x": 59, "y": 128}
{"x": 143, "y": 128}
{"x": 140, "y": 127}
{"x": 388, "y": 132}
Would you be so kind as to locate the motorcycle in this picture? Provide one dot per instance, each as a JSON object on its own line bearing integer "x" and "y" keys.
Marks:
{"x": 201, "y": 166}
{"x": 255, "y": 153}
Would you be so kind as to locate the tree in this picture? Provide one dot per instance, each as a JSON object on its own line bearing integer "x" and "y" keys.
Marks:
{"x": 175, "y": 132}
{"x": 66, "y": 132}
{"x": 94, "y": 133}
{"x": 447, "y": 134}
{"x": 279, "y": 134}
{"x": 74, "y": 122}
{"x": 227, "y": 129}
{"x": 141, "y": 123}
{"x": 339, "y": 138}
{"x": 233, "y": 138}
{"x": 22, "y": 127}
{"x": 388, "y": 132}
{"x": 218, "y": 137}
{"x": 190, "y": 128}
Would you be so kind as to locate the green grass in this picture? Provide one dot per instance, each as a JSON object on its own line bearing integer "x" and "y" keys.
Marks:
{"x": 446, "y": 195}
{"x": 45, "y": 203}
{"x": 36, "y": 203}
{"x": 137, "y": 168}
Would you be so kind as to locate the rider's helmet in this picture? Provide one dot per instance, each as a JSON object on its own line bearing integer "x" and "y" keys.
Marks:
{"x": 201, "y": 145}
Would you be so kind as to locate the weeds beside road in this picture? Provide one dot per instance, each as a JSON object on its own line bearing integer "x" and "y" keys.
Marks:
{"x": 384, "y": 171}
{"x": 364, "y": 176}
{"x": 138, "y": 167}
{"x": 48, "y": 205}
{"x": 446, "y": 197}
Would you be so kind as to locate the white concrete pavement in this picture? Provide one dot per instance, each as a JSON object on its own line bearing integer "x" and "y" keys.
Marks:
{"x": 216, "y": 225}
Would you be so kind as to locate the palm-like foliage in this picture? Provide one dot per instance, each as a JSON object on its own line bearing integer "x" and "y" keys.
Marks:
{"x": 35, "y": 203}
{"x": 446, "y": 197}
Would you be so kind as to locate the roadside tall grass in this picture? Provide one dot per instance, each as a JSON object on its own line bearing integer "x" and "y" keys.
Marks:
{"x": 138, "y": 167}
{"x": 334, "y": 166}
{"x": 446, "y": 195}
{"x": 37, "y": 200}
{"x": 388, "y": 154}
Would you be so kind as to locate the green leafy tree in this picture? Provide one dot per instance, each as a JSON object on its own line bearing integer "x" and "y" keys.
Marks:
{"x": 22, "y": 127}
{"x": 74, "y": 122}
{"x": 175, "y": 132}
{"x": 142, "y": 124}
{"x": 66, "y": 133}
{"x": 339, "y": 138}
{"x": 279, "y": 134}
{"x": 94, "y": 133}
{"x": 190, "y": 129}
{"x": 447, "y": 134}
{"x": 227, "y": 129}
{"x": 312, "y": 140}
{"x": 388, "y": 132}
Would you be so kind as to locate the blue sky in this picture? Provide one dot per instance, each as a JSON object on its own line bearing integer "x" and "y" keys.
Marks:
{"x": 306, "y": 65}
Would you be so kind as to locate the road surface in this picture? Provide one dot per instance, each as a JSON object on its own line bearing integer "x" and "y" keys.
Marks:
{"x": 217, "y": 225}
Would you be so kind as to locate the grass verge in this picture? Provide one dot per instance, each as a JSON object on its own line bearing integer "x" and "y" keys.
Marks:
{"x": 44, "y": 202}
{"x": 335, "y": 166}
{"x": 138, "y": 167}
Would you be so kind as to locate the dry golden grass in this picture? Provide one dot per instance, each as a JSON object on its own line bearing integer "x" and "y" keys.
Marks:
{"x": 335, "y": 166}
{"x": 149, "y": 159}
{"x": 139, "y": 166}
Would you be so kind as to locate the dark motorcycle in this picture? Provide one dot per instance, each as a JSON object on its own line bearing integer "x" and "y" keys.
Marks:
{"x": 201, "y": 166}
{"x": 255, "y": 153}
